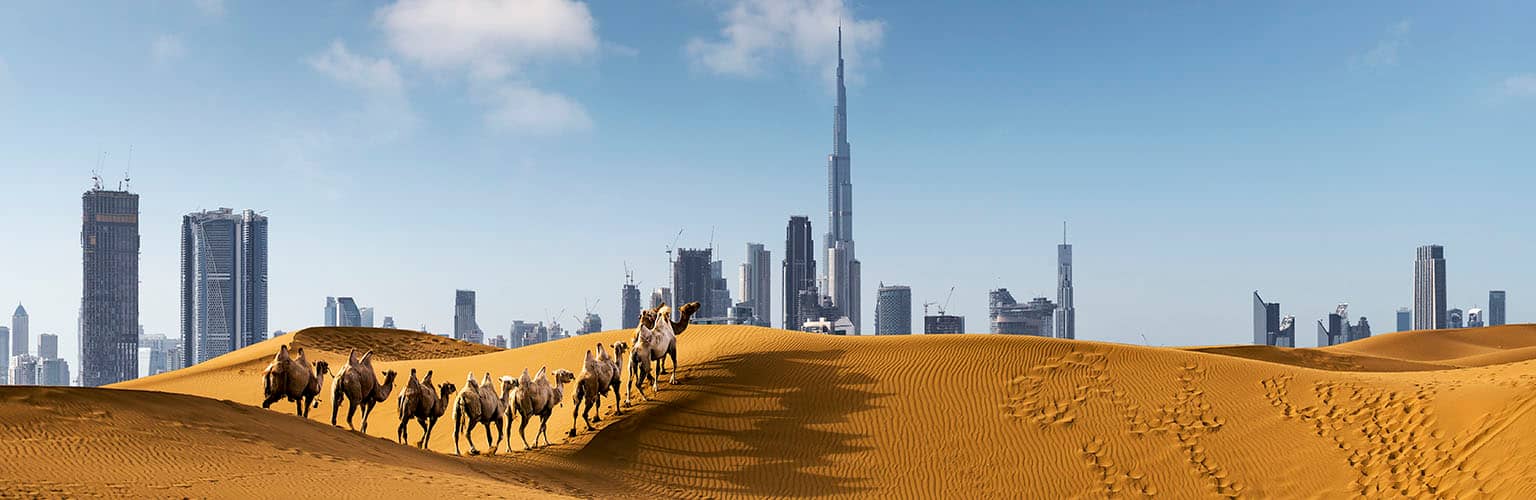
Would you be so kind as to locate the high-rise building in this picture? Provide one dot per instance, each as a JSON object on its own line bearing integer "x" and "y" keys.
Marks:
{"x": 1007, "y": 315}
{"x": 499, "y": 341}
{"x": 347, "y": 313}
{"x": 5, "y": 355}
{"x": 1474, "y": 318}
{"x": 719, "y": 304}
{"x": 629, "y": 298}
{"x": 47, "y": 346}
{"x": 52, "y": 371}
{"x": 1404, "y": 319}
{"x": 1267, "y": 324}
{"x": 660, "y": 296}
{"x": 692, "y": 278}
{"x": 156, "y": 354}
{"x": 757, "y": 283}
{"x": 330, "y": 311}
{"x": 1429, "y": 288}
{"x": 389, "y": 322}
{"x": 841, "y": 276}
{"x": 1495, "y": 308}
{"x": 591, "y": 323}
{"x": 1453, "y": 318}
{"x": 24, "y": 369}
{"x": 943, "y": 323}
{"x": 109, "y": 299}
{"x": 367, "y": 316}
{"x": 1336, "y": 328}
{"x": 223, "y": 281}
{"x": 799, "y": 272}
{"x": 1066, "y": 313}
{"x": 20, "y": 328}
{"x": 465, "y": 326}
{"x": 893, "y": 310}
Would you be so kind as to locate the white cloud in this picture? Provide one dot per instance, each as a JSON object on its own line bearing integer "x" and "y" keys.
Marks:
{"x": 212, "y": 8}
{"x": 1386, "y": 50}
{"x": 491, "y": 38}
{"x": 526, "y": 110}
{"x": 758, "y": 32}
{"x": 388, "y": 113}
{"x": 1520, "y": 85}
{"x": 166, "y": 48}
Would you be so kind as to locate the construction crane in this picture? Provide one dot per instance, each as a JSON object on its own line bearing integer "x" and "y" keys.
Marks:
{"x": 925, "y": 307}
{"x": 946, "y": 301}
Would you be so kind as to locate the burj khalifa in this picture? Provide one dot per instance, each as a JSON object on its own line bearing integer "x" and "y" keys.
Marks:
{"x": 841, "y": 275}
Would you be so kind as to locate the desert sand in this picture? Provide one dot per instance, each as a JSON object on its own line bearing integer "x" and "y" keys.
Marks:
{"x": 771, "y": 413}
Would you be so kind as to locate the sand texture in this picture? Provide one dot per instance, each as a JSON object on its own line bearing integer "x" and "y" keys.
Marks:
{"x": 759, "y": 412}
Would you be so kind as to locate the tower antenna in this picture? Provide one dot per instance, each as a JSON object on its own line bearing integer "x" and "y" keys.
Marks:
{"x": 127, "y": 180}
{"x": 1063, "y": 232}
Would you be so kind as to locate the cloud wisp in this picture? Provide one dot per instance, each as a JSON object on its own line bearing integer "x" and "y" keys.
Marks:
{"x": 758, "y": 37}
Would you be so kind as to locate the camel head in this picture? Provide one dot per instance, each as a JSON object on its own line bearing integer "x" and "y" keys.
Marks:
{"x": 389, "y": 377}
{"x": 619, "y": 348}
{"x": 648, "y": 318}
{"x": 564, "y": 376}
{"x": 688, "y": 309}
{"x": 447, "y": 390}
{"x": 508, "y": 383}
{"x": 322, "y": 368}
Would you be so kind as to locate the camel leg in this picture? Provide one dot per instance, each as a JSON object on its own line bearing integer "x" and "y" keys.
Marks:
{"x": 426, "y": 431}
{"x": 400, "y": 433}
{"x": 469, "y": 435}
{"x": 543, "y": 430}
{"x": 575, "y": 407}
{"x": 488, "y": 440}
{"x": 458, "y": 424}
{"x": 367, "y": 410}
{"x": 672, "y": 353}
{"x": 597, "y": 401}
{"x": 617, "y": 409}
{"x": 522, "y": 432}
{"x": 335, "y": 402}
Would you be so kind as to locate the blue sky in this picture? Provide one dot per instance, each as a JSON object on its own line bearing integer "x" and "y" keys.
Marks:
{"x": 527, "y": 149}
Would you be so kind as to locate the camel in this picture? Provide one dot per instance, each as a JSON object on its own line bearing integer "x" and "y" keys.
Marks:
{"x": 663, "y": 340}
{"x": 423, "y": 402}
{"x": 477, "y": 404}
{"x": 640, "y": 365}
{"x": 360, "y": 385}
{"x": 536, "y": 396}
{"x": 598, "y": 375}
{"x": 685, "y": 314}
{"x": 291, "y": 377}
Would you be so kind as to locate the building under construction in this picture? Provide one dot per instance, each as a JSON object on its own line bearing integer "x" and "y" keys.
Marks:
{"x": 1009, "y": 316}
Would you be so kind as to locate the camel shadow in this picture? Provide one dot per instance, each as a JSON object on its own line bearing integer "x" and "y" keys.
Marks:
{"x": 747, "y": 424}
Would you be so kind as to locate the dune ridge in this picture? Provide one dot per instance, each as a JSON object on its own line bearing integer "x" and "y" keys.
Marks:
{"x": 772, "y": 413}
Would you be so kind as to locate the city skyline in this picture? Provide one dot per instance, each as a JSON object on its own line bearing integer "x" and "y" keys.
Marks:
{"x": 1075, "y": 137}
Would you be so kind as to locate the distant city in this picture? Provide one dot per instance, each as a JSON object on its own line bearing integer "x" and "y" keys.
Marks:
{"x": 224, "y": 292}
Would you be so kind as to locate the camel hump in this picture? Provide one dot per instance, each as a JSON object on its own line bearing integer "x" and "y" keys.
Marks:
{"x": 524, "y": 380}
{"x": 589, "y": 354}
{"x": 352, "y": 356}
{"x": 487, "y": 380}
{"x": 543, "y": 373}
{"x": 427, "y": 379}
{"x": 471, "y": 381}
{"x": 367, "y": 358}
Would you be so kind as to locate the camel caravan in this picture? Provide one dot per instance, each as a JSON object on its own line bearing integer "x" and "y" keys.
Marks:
{"x": 489, "y": 401}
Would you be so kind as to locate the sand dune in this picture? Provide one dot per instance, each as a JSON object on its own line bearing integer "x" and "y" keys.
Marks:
{"x": 772, "y": 413}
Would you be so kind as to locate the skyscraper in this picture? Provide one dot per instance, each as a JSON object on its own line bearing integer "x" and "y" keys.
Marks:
{"x": 799, "y": 271}
{"x": 1475, "y": 318}
{"x": 629, "y": 297}
{"x": 841, "y": 276}
{"x": 1404, "y": 319}
{"x": 330, "y": 311}
{"x": 893, "y": 310}
{"x": 347, "y": 313}
{"x": 1007, "y": 315}
{"x": 1429, "y": 288}
{"x": 367, "y": 316}
{"x": 5, "y": 354}
{"x": 692, "y": 278}
{"x": 757, "y": 282}
{"x": 1268, "y": 327}
{"x": 465, "y": 326}
{"x": 719, "y": 305}
{"x": 660, "y": 295}
{"x": 943, "y": 323}
{"x": 20, "y": 325}
{"x": 109, "y": 299}
{"x": 389, "y": 322}
{"x": 1066, "y": 313}
{"x": 223, "y": 282}
{"x": 47, "y": 346}
{"x": 1453, "y": 318}
{"x": 1336, "y": 328}
{"x": 53, "y": 371}
{"x": 1495, "y": 308}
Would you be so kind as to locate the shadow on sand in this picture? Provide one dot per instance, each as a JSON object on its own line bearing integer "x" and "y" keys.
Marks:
{"x": 745, "y": 424}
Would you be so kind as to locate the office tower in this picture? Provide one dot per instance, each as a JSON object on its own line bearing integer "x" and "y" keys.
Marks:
{"x": 1066, "y": 313}
{"x": 943, "y": 323}
{"x": 1495, "y": 308}
{"x": 629, "y": 301}
{"x": 24, "y": 369}
{"x": 367, "y": 316}
{"x": 524, "y": 334}
{"x": 499, "y": 341}
{"x": 1336, "y": 328}
{"x": 47, "y": 346}
{"x": 156, "y": 354}
{"x": 692, "y": 278}
{"x": 1404, "y": 319}
{"x": 1267, "y": 328}
{"x": 592, "y": 323}
{"x": 660, "y": 296}
{"x": 719, "y": 303}
{"x": 223, "y": 281}
{"x": 1429, "y": 288}
{"x": 1453, "y": 318}
{"x": 109, "y": 299}
{"x": 347, "y": 313}
{"x": 893, "y": 310}
{"x": 465, "y": 326}
{"x": 20, "y": 327}
{"x": 841, "y": 276}
{"x": 799, "y": 272}
{"x": 742, "y": 314}
{"x": 330, "y": 311}
{"x": 389, "y": 322}
{"x": 5, "y": 355}
{"x": 53, "y": 371}
{"x": 757, "y": 282}
{"x": 1008, "y": 316}
{"x": 1474, "y": 318}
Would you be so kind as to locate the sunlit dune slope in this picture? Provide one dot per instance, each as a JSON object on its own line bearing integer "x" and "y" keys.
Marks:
{"x": 761, "y": 412}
